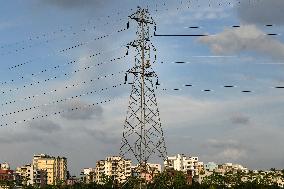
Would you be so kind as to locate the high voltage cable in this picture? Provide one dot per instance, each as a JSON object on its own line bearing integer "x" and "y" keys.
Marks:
{"x": 224, "y": 86}
{"x": 63, "y": 88}
{"x": 79, "y": 44}
{"x": 219, "y": 3}
{"x": 60, "y": 100}
{"x": 17, "y": 50}
{"x": 64, "y": 74}
{"x": 95, "y": 39}
{"x": 48, "y": 37}
{"x": 187, "y": 4}
{"x": 197, "y": 35}
{"x": 215, "y": 57}
{"x": 74, "y": 109}
{"x": 233, "y": 26}
{"x": 182, "y": 3}
{"x": 33, "y": 75}
{"x": 54, "y": 113}
{"x": 61, "y": 30}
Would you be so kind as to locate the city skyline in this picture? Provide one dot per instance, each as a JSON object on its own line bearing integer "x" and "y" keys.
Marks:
{"x": 223, "y": 124}
{"x": 46, "y": 171}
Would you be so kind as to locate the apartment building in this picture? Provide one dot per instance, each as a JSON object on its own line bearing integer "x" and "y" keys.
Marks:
{"x": 6, "y": 175}
{"x": 114, "y": 166}
{"x": 230, "y": 167}
{"x": 30, "y": 176}
{"x": 210, "y": 166}
{"x": 180, "y": 162}
{"x": 88, "y": 175}
{"x": 151, "y": 171}
{"x": 26, "y": 174}
{"x": 55, "y": 167}
{"x": 5, "y": 166}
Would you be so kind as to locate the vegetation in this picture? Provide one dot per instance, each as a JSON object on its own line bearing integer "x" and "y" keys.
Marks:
{"x": 177, "y": 180}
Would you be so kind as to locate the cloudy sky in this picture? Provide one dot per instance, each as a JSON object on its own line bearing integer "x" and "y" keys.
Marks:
{"x": 41, "y": 76}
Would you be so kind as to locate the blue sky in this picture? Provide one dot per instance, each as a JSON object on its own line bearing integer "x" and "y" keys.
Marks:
{"x": 224, "y": 125}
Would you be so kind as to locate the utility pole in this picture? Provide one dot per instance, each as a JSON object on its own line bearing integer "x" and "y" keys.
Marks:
{"x": 143, "y": 136}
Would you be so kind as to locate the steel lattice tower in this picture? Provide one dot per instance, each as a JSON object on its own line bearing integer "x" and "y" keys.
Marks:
{"x": 143, "y": 136}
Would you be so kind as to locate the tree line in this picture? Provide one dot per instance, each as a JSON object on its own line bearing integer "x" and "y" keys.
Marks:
{"x": 175, "y": 180}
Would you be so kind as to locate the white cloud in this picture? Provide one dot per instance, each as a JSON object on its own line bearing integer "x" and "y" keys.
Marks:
{"x": 209, "y": 13}
{"x": 182, "y": 118}
{"x": 247, "y": 38}
{"x": 6, "y": 25}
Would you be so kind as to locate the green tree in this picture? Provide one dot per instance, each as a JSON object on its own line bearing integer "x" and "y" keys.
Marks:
{"x": 169, "y": 179}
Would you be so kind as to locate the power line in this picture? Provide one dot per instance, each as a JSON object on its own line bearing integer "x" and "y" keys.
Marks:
{"x": 60, "y": 100}
{"x": 55, "y": 67}
{"x": 63, "y": 74}
{"x": 77, "y": 108}
{"x": 180, "y": 35}
{"x": 224, "y": 86}
{"x": 48, "y": 37}
{"x": 95, "y": 39}
{"x": 60, "y": 89}
{"x": 79, "y": 44}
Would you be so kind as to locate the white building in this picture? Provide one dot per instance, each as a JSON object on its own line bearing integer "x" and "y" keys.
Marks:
{"x": 88, "y": 171}
{"x": 26, "y": 173}
{"x": 89, "y": 175}
{"x": 5, "y": 166}
{"x": 182, "y": 163}
{"x": 230, "y": 167}
{"x": 115, "y": 166}
{"x": 31, "y": 176}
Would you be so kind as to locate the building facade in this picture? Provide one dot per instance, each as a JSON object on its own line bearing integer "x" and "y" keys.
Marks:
{"x": 31, "y": 176}
{"x": 88, "y": 175}
{"x": 210, "y": 166}
{"x": 180, "y": 162}
{"x": 5, "y": 166}
{"x": 115, "y": 166}
{"x": 151, "y": 171}
{"x": 55, "y": 168}
{"x": 26, "y": 174}
{"x": 230, "y": 167}
{"x": 6, "y": 176}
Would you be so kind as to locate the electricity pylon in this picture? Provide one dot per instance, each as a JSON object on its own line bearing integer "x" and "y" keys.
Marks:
{"x": 143, "y": 136}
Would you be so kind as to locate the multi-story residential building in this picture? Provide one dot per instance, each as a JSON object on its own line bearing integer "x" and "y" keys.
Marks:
{"x": 151, "y": 171}
{"x": 115, "y": 166}
{"x": 89, "y": 175}
{"x": 31, "y": 176}
{"x": 55, "y": 167}
{"x": 280, "y": 182}
{"x": 182, "y": 163}
{"x": 26, "y": 174}
{"x": 72, "y": 181}
{"x": 6, "y": 176}
{"x": 200, "y": 167}
{"x": 154, "y": 168}
{"x": 210, "y": 166}
{"x": 230, "y": 167}
{"x": 5, "y": 166}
